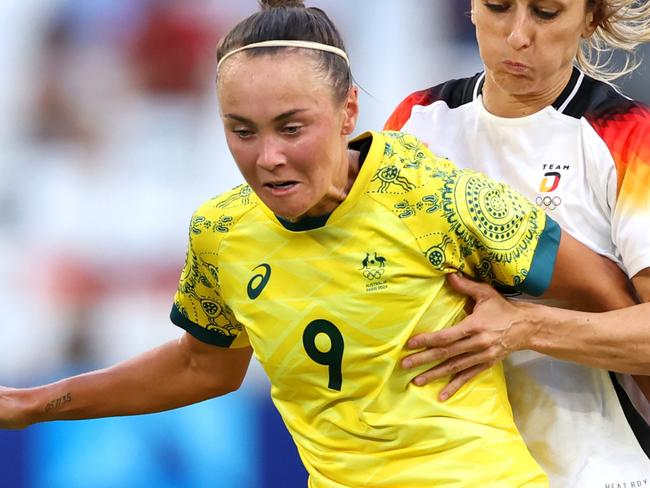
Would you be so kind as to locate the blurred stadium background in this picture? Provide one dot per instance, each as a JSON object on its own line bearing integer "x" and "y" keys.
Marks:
{"x": 109, "y": 138}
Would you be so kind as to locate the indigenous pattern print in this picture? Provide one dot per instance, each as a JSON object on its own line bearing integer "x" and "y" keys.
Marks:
{"x": 217, "y": 317}
{"x": 240, "y": 195}
{"x": 198, "y": 298}
{"x": 505, "y": 221}
{"x": 491, "y": 225}
{"x": 390, "y": 175}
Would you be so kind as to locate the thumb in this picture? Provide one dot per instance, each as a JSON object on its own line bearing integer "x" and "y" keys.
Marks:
{"x": 465, "y": 286}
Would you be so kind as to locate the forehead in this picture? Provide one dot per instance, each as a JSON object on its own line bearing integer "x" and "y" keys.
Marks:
{"x": 575, "y": 5}
{"x": 285, "y": 76}
{"x": 285, "y": 65}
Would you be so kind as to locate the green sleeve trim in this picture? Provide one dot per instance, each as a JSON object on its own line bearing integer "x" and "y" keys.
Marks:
{"x": 541, "y": 268}
{"x": 212, "y": 337}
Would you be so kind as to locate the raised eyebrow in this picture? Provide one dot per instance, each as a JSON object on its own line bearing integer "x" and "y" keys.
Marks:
{"x": 282, "y": 116}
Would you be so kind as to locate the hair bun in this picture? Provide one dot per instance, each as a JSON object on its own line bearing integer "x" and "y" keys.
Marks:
{"x": 269, "y": 4}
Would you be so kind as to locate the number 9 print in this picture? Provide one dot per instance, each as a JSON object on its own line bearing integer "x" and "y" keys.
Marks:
{"x": 332, "y": 358}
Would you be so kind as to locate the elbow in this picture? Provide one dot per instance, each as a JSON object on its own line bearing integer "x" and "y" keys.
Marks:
{"x": 213, "y": 371}
{"x": 594, "y": 295}
{"x": 612, "y": 297}
{"x": 217, "y": 380}
{"x": 224, "y": 387}
{"x": 212, "y": 385}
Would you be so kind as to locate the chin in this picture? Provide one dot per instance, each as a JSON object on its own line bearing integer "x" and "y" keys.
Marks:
{"x": 516, "y": 85}
{"x": 286, "y": 212}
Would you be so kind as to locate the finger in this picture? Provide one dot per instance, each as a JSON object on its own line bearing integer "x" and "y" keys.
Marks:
{"x": 423, "y": 357}
{"x": 461, "y": 330}
{"x": 460, "y": 379}
{"x": 454, "y": 366}
{"x": 465, "y": 286}
{"x": 473, "y": 344}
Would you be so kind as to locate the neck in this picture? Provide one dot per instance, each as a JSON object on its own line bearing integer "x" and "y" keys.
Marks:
{"x": 338, "y": 190}
{"x": 503, "y": 103}
{"x": 353, "y": 167}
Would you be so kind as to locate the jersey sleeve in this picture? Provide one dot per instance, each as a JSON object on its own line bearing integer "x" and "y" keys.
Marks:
{"x": 628, "y": 140}
{"x": 465, "y": 221}
{"x": 198, "y": 304}
{"x": 498, "y": 235}
{"x": 402, "y": 113}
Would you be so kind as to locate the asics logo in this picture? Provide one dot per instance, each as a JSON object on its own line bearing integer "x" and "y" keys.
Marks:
{"x": 258, "y": 281}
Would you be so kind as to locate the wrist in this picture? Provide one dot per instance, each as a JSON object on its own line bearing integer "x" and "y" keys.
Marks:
{"x": 525, "y": 330}
{"x": 552, "y": 326}
{"x": 18, "y": 407}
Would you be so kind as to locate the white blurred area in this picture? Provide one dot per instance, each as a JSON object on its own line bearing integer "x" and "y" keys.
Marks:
{"x": 110, "y": 138}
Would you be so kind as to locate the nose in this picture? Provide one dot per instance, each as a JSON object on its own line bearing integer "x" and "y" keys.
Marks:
{"x": 270, "y": 154}
{"x": 521, "y": 30}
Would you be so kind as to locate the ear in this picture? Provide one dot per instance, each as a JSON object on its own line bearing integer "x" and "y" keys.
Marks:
{"x": 590, "y": 24}
{"x": 351, "y": 111}
{"x": 471, "y": 12}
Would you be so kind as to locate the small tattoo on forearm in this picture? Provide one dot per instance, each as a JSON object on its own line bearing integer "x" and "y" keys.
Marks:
{"x": 58, "y": 402}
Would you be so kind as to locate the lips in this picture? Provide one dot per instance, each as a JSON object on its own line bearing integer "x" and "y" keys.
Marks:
{"x": 280, "y": 184}
{"x": 516, "y": 67}
{"x": 280, "y": 187}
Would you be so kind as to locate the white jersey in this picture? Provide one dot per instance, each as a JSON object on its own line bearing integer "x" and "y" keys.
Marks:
{"x": 586, "y": 161}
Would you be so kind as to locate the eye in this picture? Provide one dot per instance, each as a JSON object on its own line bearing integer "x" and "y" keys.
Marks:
{"x": 496, "y": 7}
{"x": 545, "y": 14}
{"x": 242, "y": 133}
{"x": 292, "y": 129}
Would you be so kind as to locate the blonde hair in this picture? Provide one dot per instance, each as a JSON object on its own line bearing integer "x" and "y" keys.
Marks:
{"x": 622, "y": 25}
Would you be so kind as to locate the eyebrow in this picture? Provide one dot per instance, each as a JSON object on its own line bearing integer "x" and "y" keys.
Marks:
{"x": 282, "y": 116}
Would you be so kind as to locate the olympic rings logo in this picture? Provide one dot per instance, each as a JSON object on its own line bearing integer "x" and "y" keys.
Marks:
{"x": 548, "y": 202}
{"x": 373, "y": 274}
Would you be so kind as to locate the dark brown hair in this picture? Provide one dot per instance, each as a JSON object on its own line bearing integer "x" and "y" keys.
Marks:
{"x": 291, "y": 20}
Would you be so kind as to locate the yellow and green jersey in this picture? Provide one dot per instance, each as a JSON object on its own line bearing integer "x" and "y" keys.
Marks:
{"x": 328, "y": 304}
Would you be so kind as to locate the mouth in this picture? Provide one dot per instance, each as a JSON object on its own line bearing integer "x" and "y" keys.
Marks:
{"x": 280, "y": 187}
{"x": 515, "y": 67}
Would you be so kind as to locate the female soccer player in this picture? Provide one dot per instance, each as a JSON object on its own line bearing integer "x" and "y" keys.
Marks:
{"x": 323, "y": 266}
{"x": 543, "y": 118}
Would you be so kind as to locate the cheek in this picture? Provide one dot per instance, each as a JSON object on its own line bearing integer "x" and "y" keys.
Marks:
{"x": 486, "y": 43}
{"x": 310, "y": 154}
{"x": 560, "y": 51}
{"x": 244, "y": 156}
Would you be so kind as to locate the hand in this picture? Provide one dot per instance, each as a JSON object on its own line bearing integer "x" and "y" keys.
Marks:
{"x": 10, "y": 412}
{"x": 494, "y": 329}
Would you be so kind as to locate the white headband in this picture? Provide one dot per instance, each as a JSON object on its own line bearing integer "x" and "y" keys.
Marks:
{"x": 304, "y": 44}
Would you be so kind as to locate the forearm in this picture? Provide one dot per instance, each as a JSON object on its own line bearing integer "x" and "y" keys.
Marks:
{"x": 618, "y": 340}
{"x": 161, "y": 379}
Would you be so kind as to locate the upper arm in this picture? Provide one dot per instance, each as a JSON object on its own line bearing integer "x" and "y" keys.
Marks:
{"x": 586, "y": 280}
